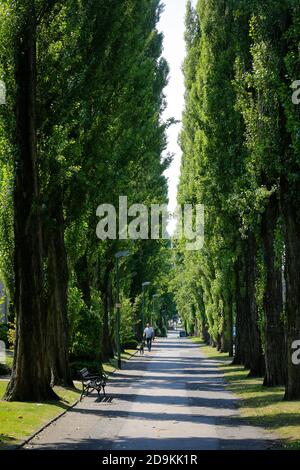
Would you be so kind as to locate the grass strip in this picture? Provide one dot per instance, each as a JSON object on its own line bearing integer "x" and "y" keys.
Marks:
{"x": 259, "y": 405}
{"x": 20, "y": 420}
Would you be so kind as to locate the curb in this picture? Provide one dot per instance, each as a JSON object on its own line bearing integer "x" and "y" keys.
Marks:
{"x": 28, "y": 439}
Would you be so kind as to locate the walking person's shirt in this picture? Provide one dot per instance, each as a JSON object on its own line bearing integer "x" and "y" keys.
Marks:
{"x": 148, "y": 332}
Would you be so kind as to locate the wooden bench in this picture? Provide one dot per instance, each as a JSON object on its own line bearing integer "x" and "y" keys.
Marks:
{"x": 92, "y": 382}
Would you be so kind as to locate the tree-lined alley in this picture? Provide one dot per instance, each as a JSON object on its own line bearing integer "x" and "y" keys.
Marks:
{"x": 82, "y": 125}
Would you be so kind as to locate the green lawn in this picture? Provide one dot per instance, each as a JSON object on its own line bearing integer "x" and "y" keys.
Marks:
{"x": 260, "y": 406}
{"x": 112, "y": 365}
{"x": 20, "y": 420}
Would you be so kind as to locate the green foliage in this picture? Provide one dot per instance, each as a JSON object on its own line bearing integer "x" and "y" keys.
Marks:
{"x": 100, "y": 80}
{"x": 85, "y": 325}
{"x": 108, "y": 155}
{"x": 164, "y": 332}
{"x": 6, "y": 150}
{"x": 127, "y": 332}
{"x": 240, "y": 144}
{"x": 11, "y": 334}
{"x": 86, "y": 341}
{"x": 212, "y": 165}
{"x": 75, "y": 307}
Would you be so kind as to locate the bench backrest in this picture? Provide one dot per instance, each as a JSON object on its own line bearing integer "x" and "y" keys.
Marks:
{"x": 84, "y": 373}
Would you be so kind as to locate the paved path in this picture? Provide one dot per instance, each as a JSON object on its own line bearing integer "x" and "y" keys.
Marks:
{"x": 170, "y": 399}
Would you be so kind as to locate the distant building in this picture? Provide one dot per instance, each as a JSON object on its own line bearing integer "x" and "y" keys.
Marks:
{"x": 3, "y": 304}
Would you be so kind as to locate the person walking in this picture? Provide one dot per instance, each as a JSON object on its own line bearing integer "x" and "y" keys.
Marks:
{"x": 148, "y": 335}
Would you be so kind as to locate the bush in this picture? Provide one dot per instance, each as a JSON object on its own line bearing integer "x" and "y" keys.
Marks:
{"x": 127, "y": 332}
{"x": 75, "y": 306}
{"x": 86, "y": 342}
{"x": 157, "y": 332}
{"x": 164, "y": 332}
{"x": 85, "y": 326}
{"x": 4, "y": 369}
{"x": 4, "y": 334}
{"x": 94, "y": 367}
{"x": 130, "y": 343}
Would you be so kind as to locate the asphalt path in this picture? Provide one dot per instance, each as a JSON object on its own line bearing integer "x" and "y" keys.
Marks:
{"x": 172, "y": 398}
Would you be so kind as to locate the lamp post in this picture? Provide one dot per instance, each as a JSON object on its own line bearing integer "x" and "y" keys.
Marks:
{"x": 144, "y": 284}
{"x": 154, "y": 296}
{"x": 120, "y": 254}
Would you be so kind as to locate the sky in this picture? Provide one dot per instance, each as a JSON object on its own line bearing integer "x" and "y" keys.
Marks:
{"x": 172, "y": 26}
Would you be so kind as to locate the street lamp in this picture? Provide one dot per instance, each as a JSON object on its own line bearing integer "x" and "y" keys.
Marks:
{"x": 120, "y": 254}
{"x": 154, "y": 296}
{"x": 144, "y": 284}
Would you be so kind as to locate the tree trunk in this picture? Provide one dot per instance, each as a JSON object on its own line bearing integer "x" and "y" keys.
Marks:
{"x": 58, "y": 327}
{"x": 223, "y": 343}
{"x": 83, "y": 281}
{"x": 254, "y": 359}
{"x": 204, "y": 332}
{"x": 107, "y": 347}
{"x": 248, "y": 350}
{"x": 30, "y": 379}
{"x": 219, "y": 342}
{"x": 229, "y": 325}
{"x": 292, "y": 231}
{"x": 241, "y": 324}
{"x": 275, "y": 347}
